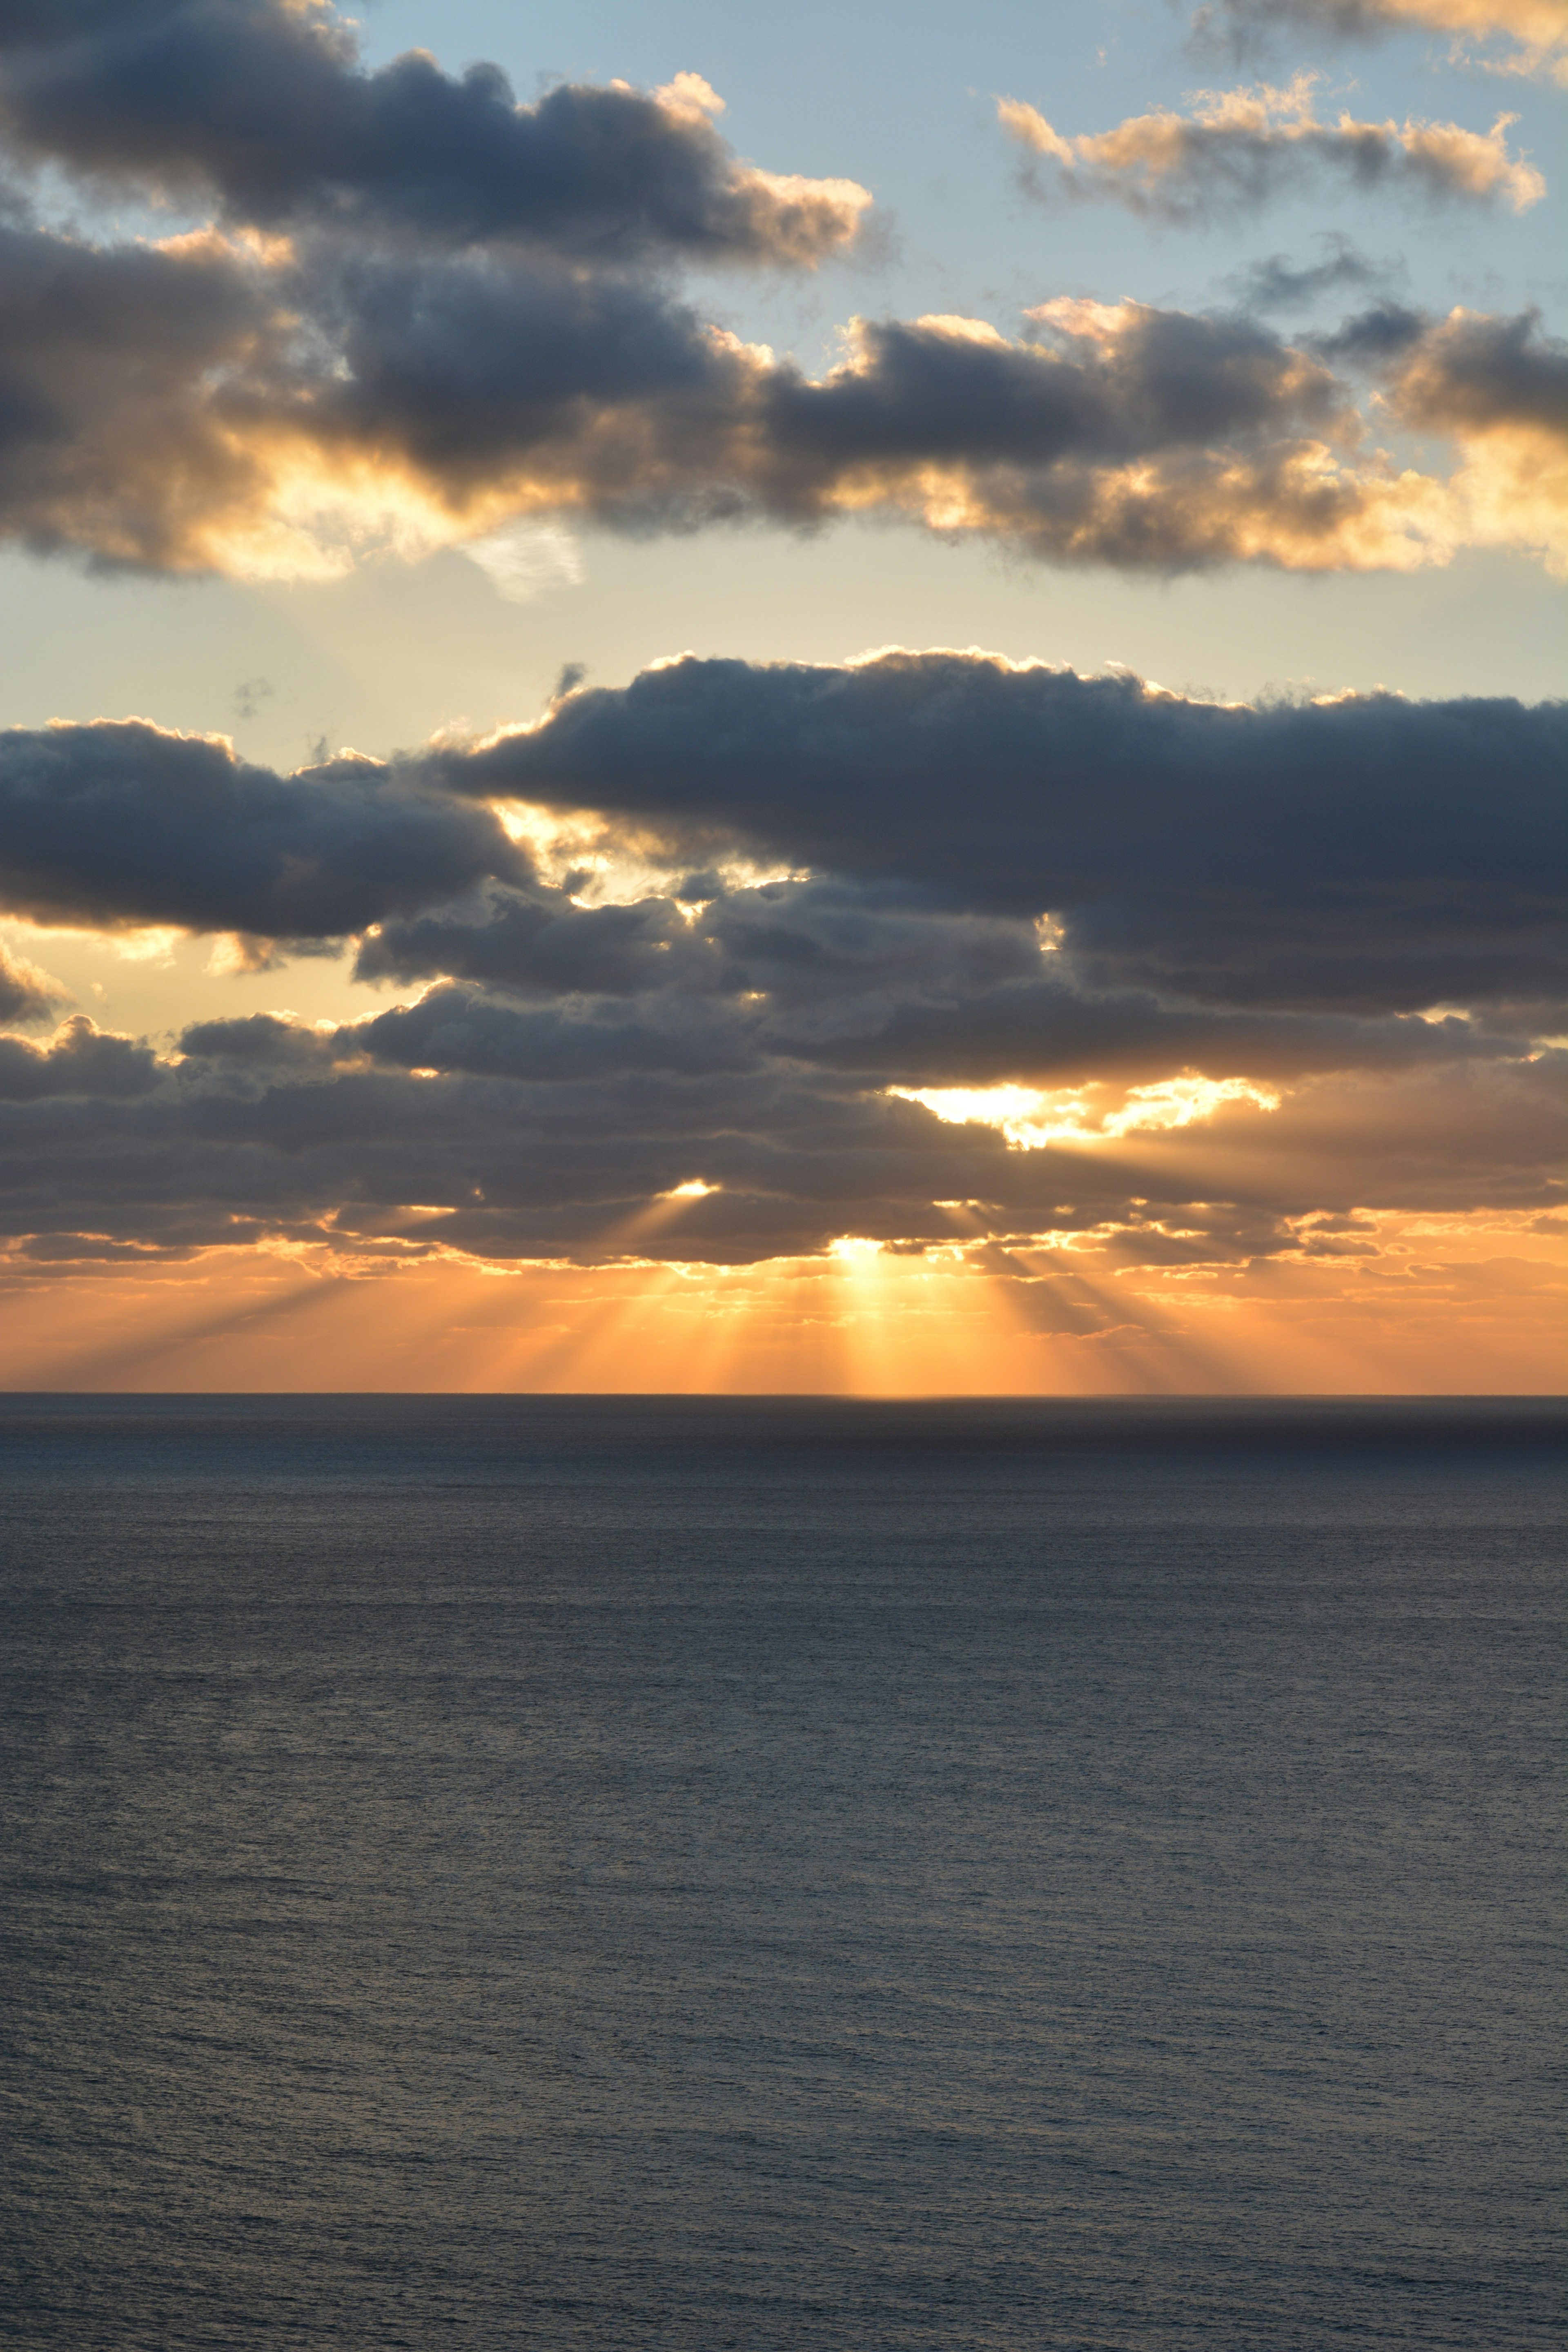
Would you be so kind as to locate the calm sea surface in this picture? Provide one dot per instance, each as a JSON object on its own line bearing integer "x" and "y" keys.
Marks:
{"x": 566, "y": 1872}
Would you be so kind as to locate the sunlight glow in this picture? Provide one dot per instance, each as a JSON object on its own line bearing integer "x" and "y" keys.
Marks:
{"x": 1030, "y": 1118}
{"x": 1370, "y": 1302}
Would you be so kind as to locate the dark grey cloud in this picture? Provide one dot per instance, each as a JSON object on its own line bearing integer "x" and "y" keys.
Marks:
{"x": 1001, "y": 876}
{"x": 111, "y": 439}
{"x": 458, "y": 1029}
{"x": 266, "y": 108}
{"x": 823, "y": 947}
{"x": 201, "y": 407}
{"x": 539, "y": 943}
{"x": 1477, "y": 374}
{"x": 1039, "y": 1033}
{"x": 121, "y": 823}
{"x": 936, "y": 391}
{"x": 1364, "y": 857}
{"x": 79, "y": 1059}
{"x": 591, "y": 1167}
{"x": 1367, "y": 853}
{"x": 1376, "y": 339}
{"x": 197, "y": 407}
{"x": 1049, "y": 1035}
{"x": 1242, "y": 24}
{"x": 1279, "y": 283}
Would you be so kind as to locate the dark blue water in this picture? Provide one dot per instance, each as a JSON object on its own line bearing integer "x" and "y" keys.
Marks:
{"x": 622, "y": 1873}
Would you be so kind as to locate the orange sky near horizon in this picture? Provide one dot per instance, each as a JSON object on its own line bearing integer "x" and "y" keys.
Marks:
{"x": 1449, "y": 1305}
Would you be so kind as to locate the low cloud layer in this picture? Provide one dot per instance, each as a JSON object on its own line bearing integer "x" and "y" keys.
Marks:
{"x": 1231, "y": 852}
{"x": 1049, "y": 956}
{"x": 1334, "y": 855}
{"x": 1238, "y": 148}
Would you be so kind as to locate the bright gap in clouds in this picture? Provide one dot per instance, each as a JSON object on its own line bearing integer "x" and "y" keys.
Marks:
{"x": 1030, "y": 1118}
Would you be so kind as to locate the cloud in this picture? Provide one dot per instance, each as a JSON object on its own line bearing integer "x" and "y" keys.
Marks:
{"x": 79, "y": 1059}
{"x": 423, "y": 316}
{"x": 1060, "y": 961}
{"x": 379, "y": 1166}
{"x": 1240, "y": 147}
{"x": 26, "y": 993}
{"x": 265, "y": 107}
{"x": 528, "y": 560}
{"x": 1226, "y": 852}
{"x": 1498, "y": 388}
{"x": 1534, "y": 30}
{"x": 123, "y": 823}
{"x": 1277, "y": 283}
{"x": 963, "y": 831}
{"x": 207, "y": 406}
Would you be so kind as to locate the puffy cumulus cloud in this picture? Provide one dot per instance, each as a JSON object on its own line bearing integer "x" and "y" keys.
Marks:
{"x": 216, "y": 405}
{"x": 264, "y": 106}
{"x": 26, "y": 993}
{"x": 79, "y": 1059}
{"x": 1497, "y": 389}
{"x": 1048, "y": 1034}
{"x": 421, "y": 311}
{"x": 839, "y": 977}
{"x": 1364, "y": 853}
{"x": 1532, "y": 34}
{"x": 110, "y": 438}
{"x": 962, "y": 831}
{"x": 1239, "y": 147}
{"x": 1115, "y": 432}
{"x": 122, "y": 824}
{"x": 219, "y": 405}
{"x": 825, "y": 948}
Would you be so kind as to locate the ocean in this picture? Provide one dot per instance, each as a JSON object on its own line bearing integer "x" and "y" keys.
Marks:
{"x": 621, "y": 1872}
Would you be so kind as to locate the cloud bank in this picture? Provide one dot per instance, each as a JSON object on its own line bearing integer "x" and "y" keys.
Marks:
{"x": 924, "y": 948}
{"x": 197, "y": 407}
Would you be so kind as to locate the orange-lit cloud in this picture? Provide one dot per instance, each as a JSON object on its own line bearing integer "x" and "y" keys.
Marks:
{"x": 1533, "y": 33}
{"x": 216, "y": 405}
{"x": 1237, "y": 147}
{"x": 1030, "y": 1118}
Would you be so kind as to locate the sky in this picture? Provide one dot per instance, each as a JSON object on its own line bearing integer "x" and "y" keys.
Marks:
{"x": 843, "y": 701}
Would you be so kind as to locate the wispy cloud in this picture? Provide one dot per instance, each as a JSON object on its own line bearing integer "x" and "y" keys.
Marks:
{"x": 1238, "y": 148}
{"x": 1512, "y": 37}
